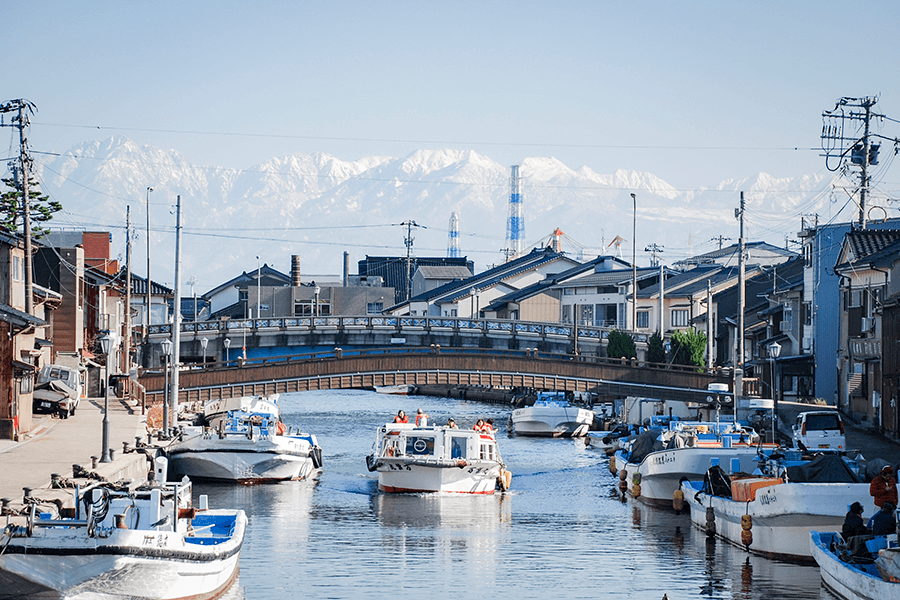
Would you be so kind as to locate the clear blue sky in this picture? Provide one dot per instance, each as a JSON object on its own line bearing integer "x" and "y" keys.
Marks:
{"x": 694, "y": 92}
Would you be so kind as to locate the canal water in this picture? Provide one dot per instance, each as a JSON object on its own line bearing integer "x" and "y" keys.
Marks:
{"x": 562, "y": 531}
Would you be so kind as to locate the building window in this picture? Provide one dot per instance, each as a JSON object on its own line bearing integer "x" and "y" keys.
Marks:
{"x": 680, "y": 317}
{"x": 374, "y": 308}
{"x": 17, "y": 270}
{"x": 643, "y": 319}
{"x": 569, "y": 292}
{"x": 807, "y": 313}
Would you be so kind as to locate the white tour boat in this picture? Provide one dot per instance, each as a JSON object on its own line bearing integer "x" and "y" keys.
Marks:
{"x": 772, "y": 518}
{"x": 150, "y": 542}
{"x": 244, "y": 440}
{"x": 853, "y": 578}
{"x": 437, "y": 459}
{"x": 552, "y": 415}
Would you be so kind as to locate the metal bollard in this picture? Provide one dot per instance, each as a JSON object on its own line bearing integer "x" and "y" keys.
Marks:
{"x": 94, "y": 460}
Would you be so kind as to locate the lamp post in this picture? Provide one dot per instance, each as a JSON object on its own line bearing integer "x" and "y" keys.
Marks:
{"x": 477, "y": 303}
{"x": 472, "y": 294}
{"x": 258, "y": 316}
{"x": 106, "y": 346}
{"x": 204, "y": 342}
{"x": 774, "y": 349}
{"x": 316, "y": 308}
{"x": 167, "y": 352}
{"x": 634, "y": 266}
{"x": 227, "y": 344}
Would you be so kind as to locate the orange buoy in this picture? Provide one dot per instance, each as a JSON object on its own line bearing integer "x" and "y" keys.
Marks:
{"x": 678, "y": 501}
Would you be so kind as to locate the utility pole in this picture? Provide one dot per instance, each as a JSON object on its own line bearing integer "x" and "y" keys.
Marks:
{"x": 720, "y": 239}
{"x": 176, "y": 318}
{"x": 21, "y": 121}
{"x": 408, "y": 240}
{"x": 838, "y": 144}
{"x": 709, "y": 325}
{"x": 654, "y": 249}
{"x": 634, "y": 265}
{"x": 126, "y": 367}
{"x": 147, "y": 307}
{"x": 742, "y": 300}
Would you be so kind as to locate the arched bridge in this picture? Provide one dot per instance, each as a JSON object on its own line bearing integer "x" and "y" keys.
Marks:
{"x": 364, "y": 369}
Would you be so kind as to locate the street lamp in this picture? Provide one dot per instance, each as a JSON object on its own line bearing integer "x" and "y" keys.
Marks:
{"x": 167, "y": 352}
{"x": 106, "y": 346}
{"x": 204, "y": 342}
{"x": 774, "y": 349}
{"x": 634, "y": 265}
{"x": 227, "y": 344}
{"x": 316, "y": 311}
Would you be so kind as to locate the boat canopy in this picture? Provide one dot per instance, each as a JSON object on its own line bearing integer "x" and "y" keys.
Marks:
{"x": 826, "y": 468}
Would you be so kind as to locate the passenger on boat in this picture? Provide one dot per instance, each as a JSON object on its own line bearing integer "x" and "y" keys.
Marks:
{"x": 421, "y": 418}
{"x": 488, "y": 426}
{"x": 883, "y": 522}
{"x": 451, "y": 423}
{"x": 853, "y": 522}
{"x": 401, "y": 418}
{"x": 884, "y": 487}
{"x": 479, "y": 426}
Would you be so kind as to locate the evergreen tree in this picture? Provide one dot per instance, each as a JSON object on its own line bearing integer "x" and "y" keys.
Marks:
{"x": 41, "y": 207}
{"x": 656, "y": 351}
{"x": 620, "y": 345}
{"x": 688, "y": 347}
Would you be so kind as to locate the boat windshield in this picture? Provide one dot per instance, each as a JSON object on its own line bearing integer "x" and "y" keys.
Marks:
{"x": 419, "y": 445}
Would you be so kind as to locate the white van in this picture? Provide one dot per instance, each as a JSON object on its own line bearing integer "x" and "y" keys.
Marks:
{"x": 58, "y": 390}
{"x": 820, "y": 431}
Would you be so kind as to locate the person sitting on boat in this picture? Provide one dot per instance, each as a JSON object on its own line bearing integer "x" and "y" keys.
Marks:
{"x": 452, "y": 424}
{"x": 884, "y": 487}
{"x": 488, "y": 426}
{"x": 421, "y": 418}
{"x": 883, "y": 522}
{"x": 479, "y": 425}
{"x": 401, "y": 418}
{"x": 853, "y": 522}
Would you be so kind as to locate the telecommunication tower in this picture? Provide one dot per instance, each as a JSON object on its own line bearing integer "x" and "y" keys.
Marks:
{"x": 515, "y": 222}
{"x": 453, "y": 239}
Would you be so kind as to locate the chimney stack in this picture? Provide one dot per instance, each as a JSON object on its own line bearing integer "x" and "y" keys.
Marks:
{"x": 346, "y": 268}
{"x": 295, "y": 270}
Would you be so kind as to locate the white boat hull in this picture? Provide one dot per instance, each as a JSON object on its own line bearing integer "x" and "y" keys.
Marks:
{"x": 63, "y": 562}
{"x": 552, "y": 421}
{"x": 662, "y": 471}
{"x": 783, "y": 515}
{"x": 237, "y": 458}
{"x": 396, "y": 390}
{"x": 847, "y": 582}
{"x": 400, "y": 475}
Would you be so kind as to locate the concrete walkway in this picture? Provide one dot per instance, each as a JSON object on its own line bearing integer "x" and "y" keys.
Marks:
{"x": 57, "y": 444}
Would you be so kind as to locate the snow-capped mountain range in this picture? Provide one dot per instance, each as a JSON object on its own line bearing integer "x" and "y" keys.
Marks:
{"x": 319, "y": 206}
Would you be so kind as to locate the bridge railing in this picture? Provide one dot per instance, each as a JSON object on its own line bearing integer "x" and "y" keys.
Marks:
{"x": 387, "y": 323}
{"x": 532, "y": 354}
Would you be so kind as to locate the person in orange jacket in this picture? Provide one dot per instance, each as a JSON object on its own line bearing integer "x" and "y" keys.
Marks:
{"x": 421, "y": 416}
{"x": 884, "y": 487}
{"x": 479, "y": 426}
{"x": 401, "y": 417}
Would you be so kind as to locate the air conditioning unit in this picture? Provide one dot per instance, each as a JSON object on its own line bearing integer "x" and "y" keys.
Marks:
{"x": 807, "y": 345}
{"x": 784, "y": 326}
{"x": 867, "y": 324}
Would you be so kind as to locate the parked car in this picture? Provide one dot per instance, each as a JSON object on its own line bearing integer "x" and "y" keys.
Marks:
{"x": 58, "y": 390}
{"x": 820, "y": 430}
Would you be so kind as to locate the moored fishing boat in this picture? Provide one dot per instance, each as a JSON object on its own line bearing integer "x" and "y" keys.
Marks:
{"x": 773, "y": 514}
{"x": 150, "y": 542}
{"x": 853, "y": 578}
{"x": 552, "y": 415}
{"x": 397, "y": 390}
{"x": 437, "y": 459}
{"x": 244, "y": 440}
{"x": 652, "y": 465}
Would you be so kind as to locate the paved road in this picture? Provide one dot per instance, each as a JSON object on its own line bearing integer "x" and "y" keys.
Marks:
{"x": 57, "y": 444}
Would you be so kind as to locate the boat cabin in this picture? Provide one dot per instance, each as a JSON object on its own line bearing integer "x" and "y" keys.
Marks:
{"x": 449, "y": 443}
